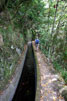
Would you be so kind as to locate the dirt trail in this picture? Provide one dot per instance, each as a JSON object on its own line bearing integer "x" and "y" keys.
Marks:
{"x": 50, "y": 82}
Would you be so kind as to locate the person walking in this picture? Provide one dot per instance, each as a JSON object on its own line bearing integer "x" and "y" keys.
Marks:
{"x": 37, "y": 43}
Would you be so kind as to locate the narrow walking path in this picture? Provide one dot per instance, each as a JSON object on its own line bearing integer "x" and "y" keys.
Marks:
{"x": 50, "y": 81}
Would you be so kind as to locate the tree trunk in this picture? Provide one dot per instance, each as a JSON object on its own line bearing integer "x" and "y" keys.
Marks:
{"x": 48, "y": 17}
{"x": 54, "y": 18}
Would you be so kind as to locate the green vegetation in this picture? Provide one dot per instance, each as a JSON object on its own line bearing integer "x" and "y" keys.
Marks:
{"x": 18, "y": 23}
{"x": 60, "y": 69}
{"x": 22, "y": 20}
{"x": 53, "y": 34}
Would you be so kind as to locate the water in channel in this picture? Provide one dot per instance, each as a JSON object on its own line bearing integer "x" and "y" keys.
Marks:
{"x": 27, "y": 85}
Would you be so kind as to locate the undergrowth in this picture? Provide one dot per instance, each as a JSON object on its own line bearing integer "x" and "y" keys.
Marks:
{"x": 62, "y": 70}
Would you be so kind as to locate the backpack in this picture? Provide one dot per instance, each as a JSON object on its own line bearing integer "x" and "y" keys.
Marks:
{"x": 37, "y": 41}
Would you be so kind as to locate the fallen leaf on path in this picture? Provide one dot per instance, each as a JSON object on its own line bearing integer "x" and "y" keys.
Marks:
{"x": 10, "y": 81}
{"x": 44, "y": 85}
{"x": 41, "y": 97}
{"x": 50, "y": 91}
{"x": 46, "y": 94}
{"x": 54, "y": 98}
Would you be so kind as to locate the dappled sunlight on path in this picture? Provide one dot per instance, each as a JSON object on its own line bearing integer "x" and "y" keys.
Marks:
{"x": 50, "y": 82}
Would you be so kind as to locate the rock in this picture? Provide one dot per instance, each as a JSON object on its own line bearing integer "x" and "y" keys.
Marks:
{"x": 63, "y": 89}
{"x": 1, "y": 40}
{"x": 63, "y": 92}
{"x": 18, "y": 51}
{"x": 54, "y": 79}
{"x": 12, "y": 47}
{"x": 11, "y": 67}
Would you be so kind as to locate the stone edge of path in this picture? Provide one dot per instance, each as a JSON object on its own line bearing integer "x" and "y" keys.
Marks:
{"x": 62, "y": 89}
{"x": 37, "y": 97}
{"x": 8, "y": 93}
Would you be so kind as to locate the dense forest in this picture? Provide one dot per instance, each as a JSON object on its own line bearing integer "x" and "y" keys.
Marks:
{"x": 23, "y": 20}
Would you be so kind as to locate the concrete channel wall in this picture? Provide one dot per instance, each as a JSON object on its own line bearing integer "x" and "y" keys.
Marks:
{"x": 38, "y": 87}
{"x": 9, "y": 92}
